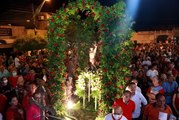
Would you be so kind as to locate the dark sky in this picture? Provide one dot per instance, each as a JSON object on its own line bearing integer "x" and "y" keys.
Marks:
{"x": 150, "y": 14}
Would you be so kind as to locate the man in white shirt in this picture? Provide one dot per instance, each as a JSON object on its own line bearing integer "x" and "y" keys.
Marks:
{"x": 147, "y": 61}
{"x": 138, "y": 99}
{"x": 152, "y": 72}
{"x": 137, "y": 88}
{"x": 116, "y": 114}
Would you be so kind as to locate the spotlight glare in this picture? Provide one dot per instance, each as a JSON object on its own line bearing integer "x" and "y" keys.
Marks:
{"x": 70, "y": 104}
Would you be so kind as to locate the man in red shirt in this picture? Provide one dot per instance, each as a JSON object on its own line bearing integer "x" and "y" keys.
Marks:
{"x": 128, "y": 106}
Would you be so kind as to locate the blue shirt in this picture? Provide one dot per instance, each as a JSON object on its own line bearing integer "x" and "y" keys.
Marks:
{"x": 169, "y": 88}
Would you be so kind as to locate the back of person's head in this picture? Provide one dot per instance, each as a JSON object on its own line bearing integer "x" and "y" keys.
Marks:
{"x": 117, "y": 110}
{"x": 126, "y": 92}
{"x": 159, "y": 95}
{"x": 131, "y": 84}
{"x": 132, "y": 87}
{"x": 153, "y": 66}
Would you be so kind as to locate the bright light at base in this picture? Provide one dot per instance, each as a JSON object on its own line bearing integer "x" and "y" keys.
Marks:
{"x": 70, "y": 104}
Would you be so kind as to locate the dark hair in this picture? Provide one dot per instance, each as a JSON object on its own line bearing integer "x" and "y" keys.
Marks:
{"x": 159, "y": 95}
{"x": 36, "y": 92}
{"x": 126, "y": 91}
{"x": 10, "y": 98}
{"x": 131, "y": 83}
{"x": 3, "y": 78}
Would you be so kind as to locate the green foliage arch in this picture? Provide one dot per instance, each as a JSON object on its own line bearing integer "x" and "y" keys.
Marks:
{"x": 113, "y": 32}
{"x": 59, "y": 37}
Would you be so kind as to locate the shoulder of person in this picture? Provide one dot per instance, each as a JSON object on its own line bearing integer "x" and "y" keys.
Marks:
{"x": 124, "y": 118}
{"x": 108, "y": 117}
{"x": 168, "y": 107}
{"x": 131, "y": 101}
{"x": 150, "y": 105}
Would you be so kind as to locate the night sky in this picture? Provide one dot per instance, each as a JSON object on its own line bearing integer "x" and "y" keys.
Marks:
{"x": 150, "y": 14}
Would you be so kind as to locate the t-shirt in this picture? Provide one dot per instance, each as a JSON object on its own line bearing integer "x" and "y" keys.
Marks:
{"x": 33, "y": 113}
{"x": 13, "y": 81}
{"x": 155, "y": 90}
{"x": 152, "y": 73}
{"x": 16, "y": 113}
{"x": 127, "y": 108}
{"x": 152, "y": 112}
{"x": 169, "y": 88}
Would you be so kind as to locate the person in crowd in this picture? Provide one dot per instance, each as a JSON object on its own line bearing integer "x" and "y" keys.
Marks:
{"x": 44, "y": 75}
{"x": 24, "y": 70}
{"x": 45, "y": 92}
{"x": 10, "y": 60}
{"x": 134, "y": 74}
{"x": 31, "y": 75}
{"x": 33, "y": 111}
{"x": 157, "y": 110}
{"x": 152, "y": 72}
{"x": 6, "y": 89}
{"x": 142, "y": 82}
{"x": 3, "y": 104}
{"x": 32, "y": 87}
{"x": 169, "y": 87}
{"x": 127, "y": 105}
{"x": 138, "y": 99}
{"x": 154, "y": 89}
{"x": 171, "y": 68}
{"x": 136, "y": 83}
{"x": 175, "y": 102}
{"x": 13, "y": 78}
{"x": 163, "y": 78}
{"x": 3, "y": 72}
{"x": 20, "y": 88}
{"x": 15, "y": 111}
{"x": 147, "y": 61}
{"x": 17, "y": 61}
{"x": 117, "y": 114}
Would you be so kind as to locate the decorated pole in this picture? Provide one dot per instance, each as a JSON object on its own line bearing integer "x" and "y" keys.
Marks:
{"x": 89, "y": 87}
{"x": 96, "y": 102}
{"x": 84, "y": 99}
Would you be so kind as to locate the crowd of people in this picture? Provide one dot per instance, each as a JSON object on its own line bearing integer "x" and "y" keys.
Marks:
{"x": 152, "y": 92}
{"x": 23, "y": 88}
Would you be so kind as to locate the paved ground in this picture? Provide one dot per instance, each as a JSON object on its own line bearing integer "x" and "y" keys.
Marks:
{"x": 84, "y": 115}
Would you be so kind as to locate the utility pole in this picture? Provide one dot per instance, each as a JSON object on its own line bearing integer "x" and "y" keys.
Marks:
{"x": 35, "y": 13}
